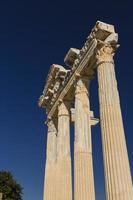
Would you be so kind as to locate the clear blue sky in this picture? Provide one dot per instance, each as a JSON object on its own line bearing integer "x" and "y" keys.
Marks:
{"x": 33, "y": 35}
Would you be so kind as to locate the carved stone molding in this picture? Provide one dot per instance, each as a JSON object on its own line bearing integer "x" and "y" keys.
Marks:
{"x": 105, "y": 54}
{"x": 64, "y": 108}
{"x": 82, "y": 86}
{"x": 82, "y": 63}
{"x": 55, "y": 80}
{"x": 52, "y": 125}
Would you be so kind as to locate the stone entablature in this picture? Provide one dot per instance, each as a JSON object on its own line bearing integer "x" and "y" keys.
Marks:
{"x": 55, "y": 80}
{"x": 81, "y": 62}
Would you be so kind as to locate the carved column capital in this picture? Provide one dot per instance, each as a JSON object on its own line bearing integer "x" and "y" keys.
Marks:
{"x": 52, "y": 125}
{"x": 82, "y": 85}
{"x": 64, "y": 108}
{"x": 105, "y": 53}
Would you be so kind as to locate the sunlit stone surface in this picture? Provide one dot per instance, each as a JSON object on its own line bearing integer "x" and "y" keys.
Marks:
{"x": 116, "y": 164}
{"x": 83, "y": 166}
{"x": 68, "y": 87}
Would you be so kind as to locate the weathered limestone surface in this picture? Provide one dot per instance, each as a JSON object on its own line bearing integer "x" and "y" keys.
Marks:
{"x": 83, "y": 166}
{"x": 64, "y": 177}
{"x": 116, "y": 164}
{"x": 98, "y": 50}
{"x": 50, "y": 169}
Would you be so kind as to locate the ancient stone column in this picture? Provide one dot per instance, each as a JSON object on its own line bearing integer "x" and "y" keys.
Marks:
{"x": 116, "y": 164}
{"x": 50, "y": 169}
{"x": 83, "y": 164}
{"x": 64, "y": 180}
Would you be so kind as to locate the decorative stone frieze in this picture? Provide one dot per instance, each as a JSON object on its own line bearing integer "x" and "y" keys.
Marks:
{"x": 84, "y": 58}
{"x": 71, "y": 56}
{"x": 55, "y": 80}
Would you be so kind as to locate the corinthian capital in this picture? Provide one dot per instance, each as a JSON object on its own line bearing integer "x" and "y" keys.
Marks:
{"x": 82, "y": 85}
{"x": 64, "y": 108}
{"x": 51, "y": 125}
{"x": 105, "y": 53}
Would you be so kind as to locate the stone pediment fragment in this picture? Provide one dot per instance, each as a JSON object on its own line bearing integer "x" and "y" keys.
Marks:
{"x": 71, "y": 56}
{"x": 82, "y": 62}
{"x": 55, "y": 79}
{"x": 101, "y": 31}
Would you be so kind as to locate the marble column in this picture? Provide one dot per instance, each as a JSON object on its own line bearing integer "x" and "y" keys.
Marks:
{"x": 116, "y": 164}
{"x": 64, "y": 183}
{"x": 83, "y": 164}
{"x": 50, "y": 168}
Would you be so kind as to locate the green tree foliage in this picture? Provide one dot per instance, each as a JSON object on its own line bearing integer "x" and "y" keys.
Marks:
{"x": 10, "y": 189}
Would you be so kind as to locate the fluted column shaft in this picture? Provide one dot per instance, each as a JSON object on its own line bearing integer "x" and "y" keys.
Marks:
{"x": 64, "y": 183}
{"x": 50, "y": 169}
{"x": 116, "y": 164}
{"x": 83, "y": 164}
